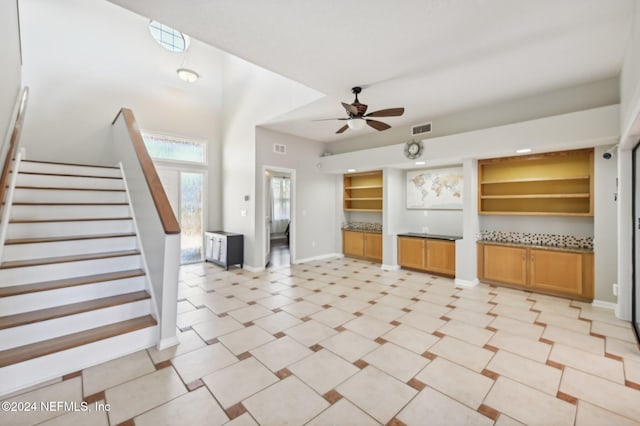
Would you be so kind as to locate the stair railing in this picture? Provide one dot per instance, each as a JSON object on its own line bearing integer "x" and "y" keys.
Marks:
{"x": 158, "y": 228}
{"x": 10, "y": 158}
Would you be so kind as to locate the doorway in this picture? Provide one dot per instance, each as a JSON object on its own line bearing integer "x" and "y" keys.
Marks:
{"x": 635, "y": 278}
{"x": 278, "y": 199}
{"x": 185, "y": 191}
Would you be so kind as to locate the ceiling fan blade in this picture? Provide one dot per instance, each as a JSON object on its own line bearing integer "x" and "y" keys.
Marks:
{"x": 378, "y": 125}
{"x": 343, "y": 128}
{"x": 329, "y": 119}
{"x": 350, "y": 108}
{"x": 391, "y": 112}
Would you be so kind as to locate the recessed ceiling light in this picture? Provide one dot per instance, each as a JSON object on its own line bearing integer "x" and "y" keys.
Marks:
{"x": 419, "y": 163}
{"x": 351, "y": 170}
{"x": 523, "y": 150}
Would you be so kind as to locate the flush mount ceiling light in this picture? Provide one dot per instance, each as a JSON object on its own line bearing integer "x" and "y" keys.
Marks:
{"x": 523, "y": 150}
{"x": 188, "y": 75}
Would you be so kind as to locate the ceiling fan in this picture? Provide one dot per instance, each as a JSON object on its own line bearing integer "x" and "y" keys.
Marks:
{"x": 357, "y": 117}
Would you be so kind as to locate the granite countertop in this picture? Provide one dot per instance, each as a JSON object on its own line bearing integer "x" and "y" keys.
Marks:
{"x": 369, "y": 231}
{"x": 431, "y": 236}
{"x": 535, "y": 246}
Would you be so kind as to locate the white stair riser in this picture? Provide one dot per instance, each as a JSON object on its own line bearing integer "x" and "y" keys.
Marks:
{"x": 28, "y": 373}
{"x": 23, "y": 195}
{"x": 68, "y": 212}
{"x": 44, "y": 330}
{"x": 63, "y": 296}
{"x": 53, "y": 181}
{"x": 65, "y": 229}
{"x": 67, "y": 248}
{"x": 58, "y": 271}
{"x": 63, "y": 169}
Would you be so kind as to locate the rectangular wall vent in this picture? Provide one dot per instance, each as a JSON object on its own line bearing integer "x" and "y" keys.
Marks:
{"x": 420, "y": 129}
{"x": 279, "y": 148}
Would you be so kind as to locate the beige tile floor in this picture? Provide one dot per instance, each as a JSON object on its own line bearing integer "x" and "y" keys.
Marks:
{"x": 341, "y": 342}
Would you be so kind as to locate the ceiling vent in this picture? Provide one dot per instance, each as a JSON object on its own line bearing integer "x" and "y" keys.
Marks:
{"x": 420, "y": 129}
{"x": 279, "y": 148}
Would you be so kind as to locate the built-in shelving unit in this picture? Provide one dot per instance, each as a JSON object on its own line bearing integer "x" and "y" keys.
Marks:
{"x": 363, "y": 192}
{"x": 557, "y": 183}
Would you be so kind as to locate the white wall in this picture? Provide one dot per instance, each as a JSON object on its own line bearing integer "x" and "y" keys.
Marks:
{"x": 313, "y": 228}
{"x": 10, "y": 78}
{"x": 574, "y": 130}
{"x": 85, "y": 59}
{"x": 630, "y": 82}
{"x": 561, "y": 101}
{"x": 251, "y": 96}
{"x": 605, "y": 224}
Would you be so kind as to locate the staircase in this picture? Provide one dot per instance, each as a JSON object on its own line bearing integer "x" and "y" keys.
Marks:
{"x": 73, "y": 292}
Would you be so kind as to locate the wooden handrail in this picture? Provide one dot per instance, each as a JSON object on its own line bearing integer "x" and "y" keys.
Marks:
{"x": 13, "y": 145}
{"x": 165, "y": 212}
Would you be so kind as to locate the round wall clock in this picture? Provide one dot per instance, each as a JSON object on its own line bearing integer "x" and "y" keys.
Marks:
{"x": 413, "y": 149}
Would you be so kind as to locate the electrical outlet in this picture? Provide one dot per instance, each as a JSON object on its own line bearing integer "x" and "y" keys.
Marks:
{"x": 243, "y": 213}
{"x": 425, "y": 229}
{"x": 313, "y": 243}
{"x": 615, "y": 289}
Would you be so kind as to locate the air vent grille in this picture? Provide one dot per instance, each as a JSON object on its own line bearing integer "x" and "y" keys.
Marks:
{"x": 420, "y": 129}
{"x": 279, "y": 148}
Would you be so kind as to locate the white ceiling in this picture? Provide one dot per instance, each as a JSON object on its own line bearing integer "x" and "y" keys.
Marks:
{"x": 433, "y": 57}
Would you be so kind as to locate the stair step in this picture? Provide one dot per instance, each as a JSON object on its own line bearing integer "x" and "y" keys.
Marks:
{"x": 17, "y": 290}
{"x": 68, "y": 169}
{"x": 56, "y": 188}
{"x": 69, "y": 175}
{"x": 22, "y": 203}
{"x": 72, "y": 309}
{"x": 65, "y": 259}
{"x": 58, "y": 344}
{"x": 67, "y": 220}
{"x": 69, "y": 238}
{"x": 70, "y": 164}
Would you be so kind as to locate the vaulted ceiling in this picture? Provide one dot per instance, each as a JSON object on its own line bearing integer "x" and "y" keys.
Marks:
{"x": 432, "y": 57}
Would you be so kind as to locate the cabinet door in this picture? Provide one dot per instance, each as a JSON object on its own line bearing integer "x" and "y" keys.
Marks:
{"x": 505, "y": 264}
{"x": 352, "y": 243}
{"x": 556, "y": 271}
{"x": 440, "y": 257}
{"x": 208, "y": 250}
{"x": 411, "y": 252}
{"x": 373, "y": 246}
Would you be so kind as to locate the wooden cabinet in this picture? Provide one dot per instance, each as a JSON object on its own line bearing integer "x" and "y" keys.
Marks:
{"x": 440, "y": 257}
{"x": 411, "y": 252}
{"x": 504, "y": 264}
{"x": 557, "y": 272}
{"x": 557, "y": 183}
{"x": 437, "y": 256}
{"x": 365, "y": 245}
{"x": 363, "y": 192}
{"x": 353, "y": 243}
{"x": 373, "y": 246}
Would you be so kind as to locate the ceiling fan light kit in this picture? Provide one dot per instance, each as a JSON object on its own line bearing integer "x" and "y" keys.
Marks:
{"x": 357, "y": 116}
{"x": 356, "y": 123}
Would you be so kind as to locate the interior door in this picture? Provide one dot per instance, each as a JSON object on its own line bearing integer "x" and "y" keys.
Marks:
{"x": 268, "y": 199}
{"x": 635, "y": 284}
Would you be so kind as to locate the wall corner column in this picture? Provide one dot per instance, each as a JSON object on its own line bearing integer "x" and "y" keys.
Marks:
{"x": 466, "y": 253}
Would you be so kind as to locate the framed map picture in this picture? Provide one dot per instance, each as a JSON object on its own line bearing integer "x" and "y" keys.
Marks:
{"x": 435, "y": 189}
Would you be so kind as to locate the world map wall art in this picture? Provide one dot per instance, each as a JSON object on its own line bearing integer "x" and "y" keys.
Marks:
{"x": 435, "y": 189}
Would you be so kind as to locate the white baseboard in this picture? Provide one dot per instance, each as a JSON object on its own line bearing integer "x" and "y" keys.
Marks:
{"x": 168, "y": 342}
{"x": 253, "y": 268}
{"x": 603, "y": 304}
{"x": 390, "y": 267}
{"x": 458, "y": 282}
{"x": 321, "y": 257}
